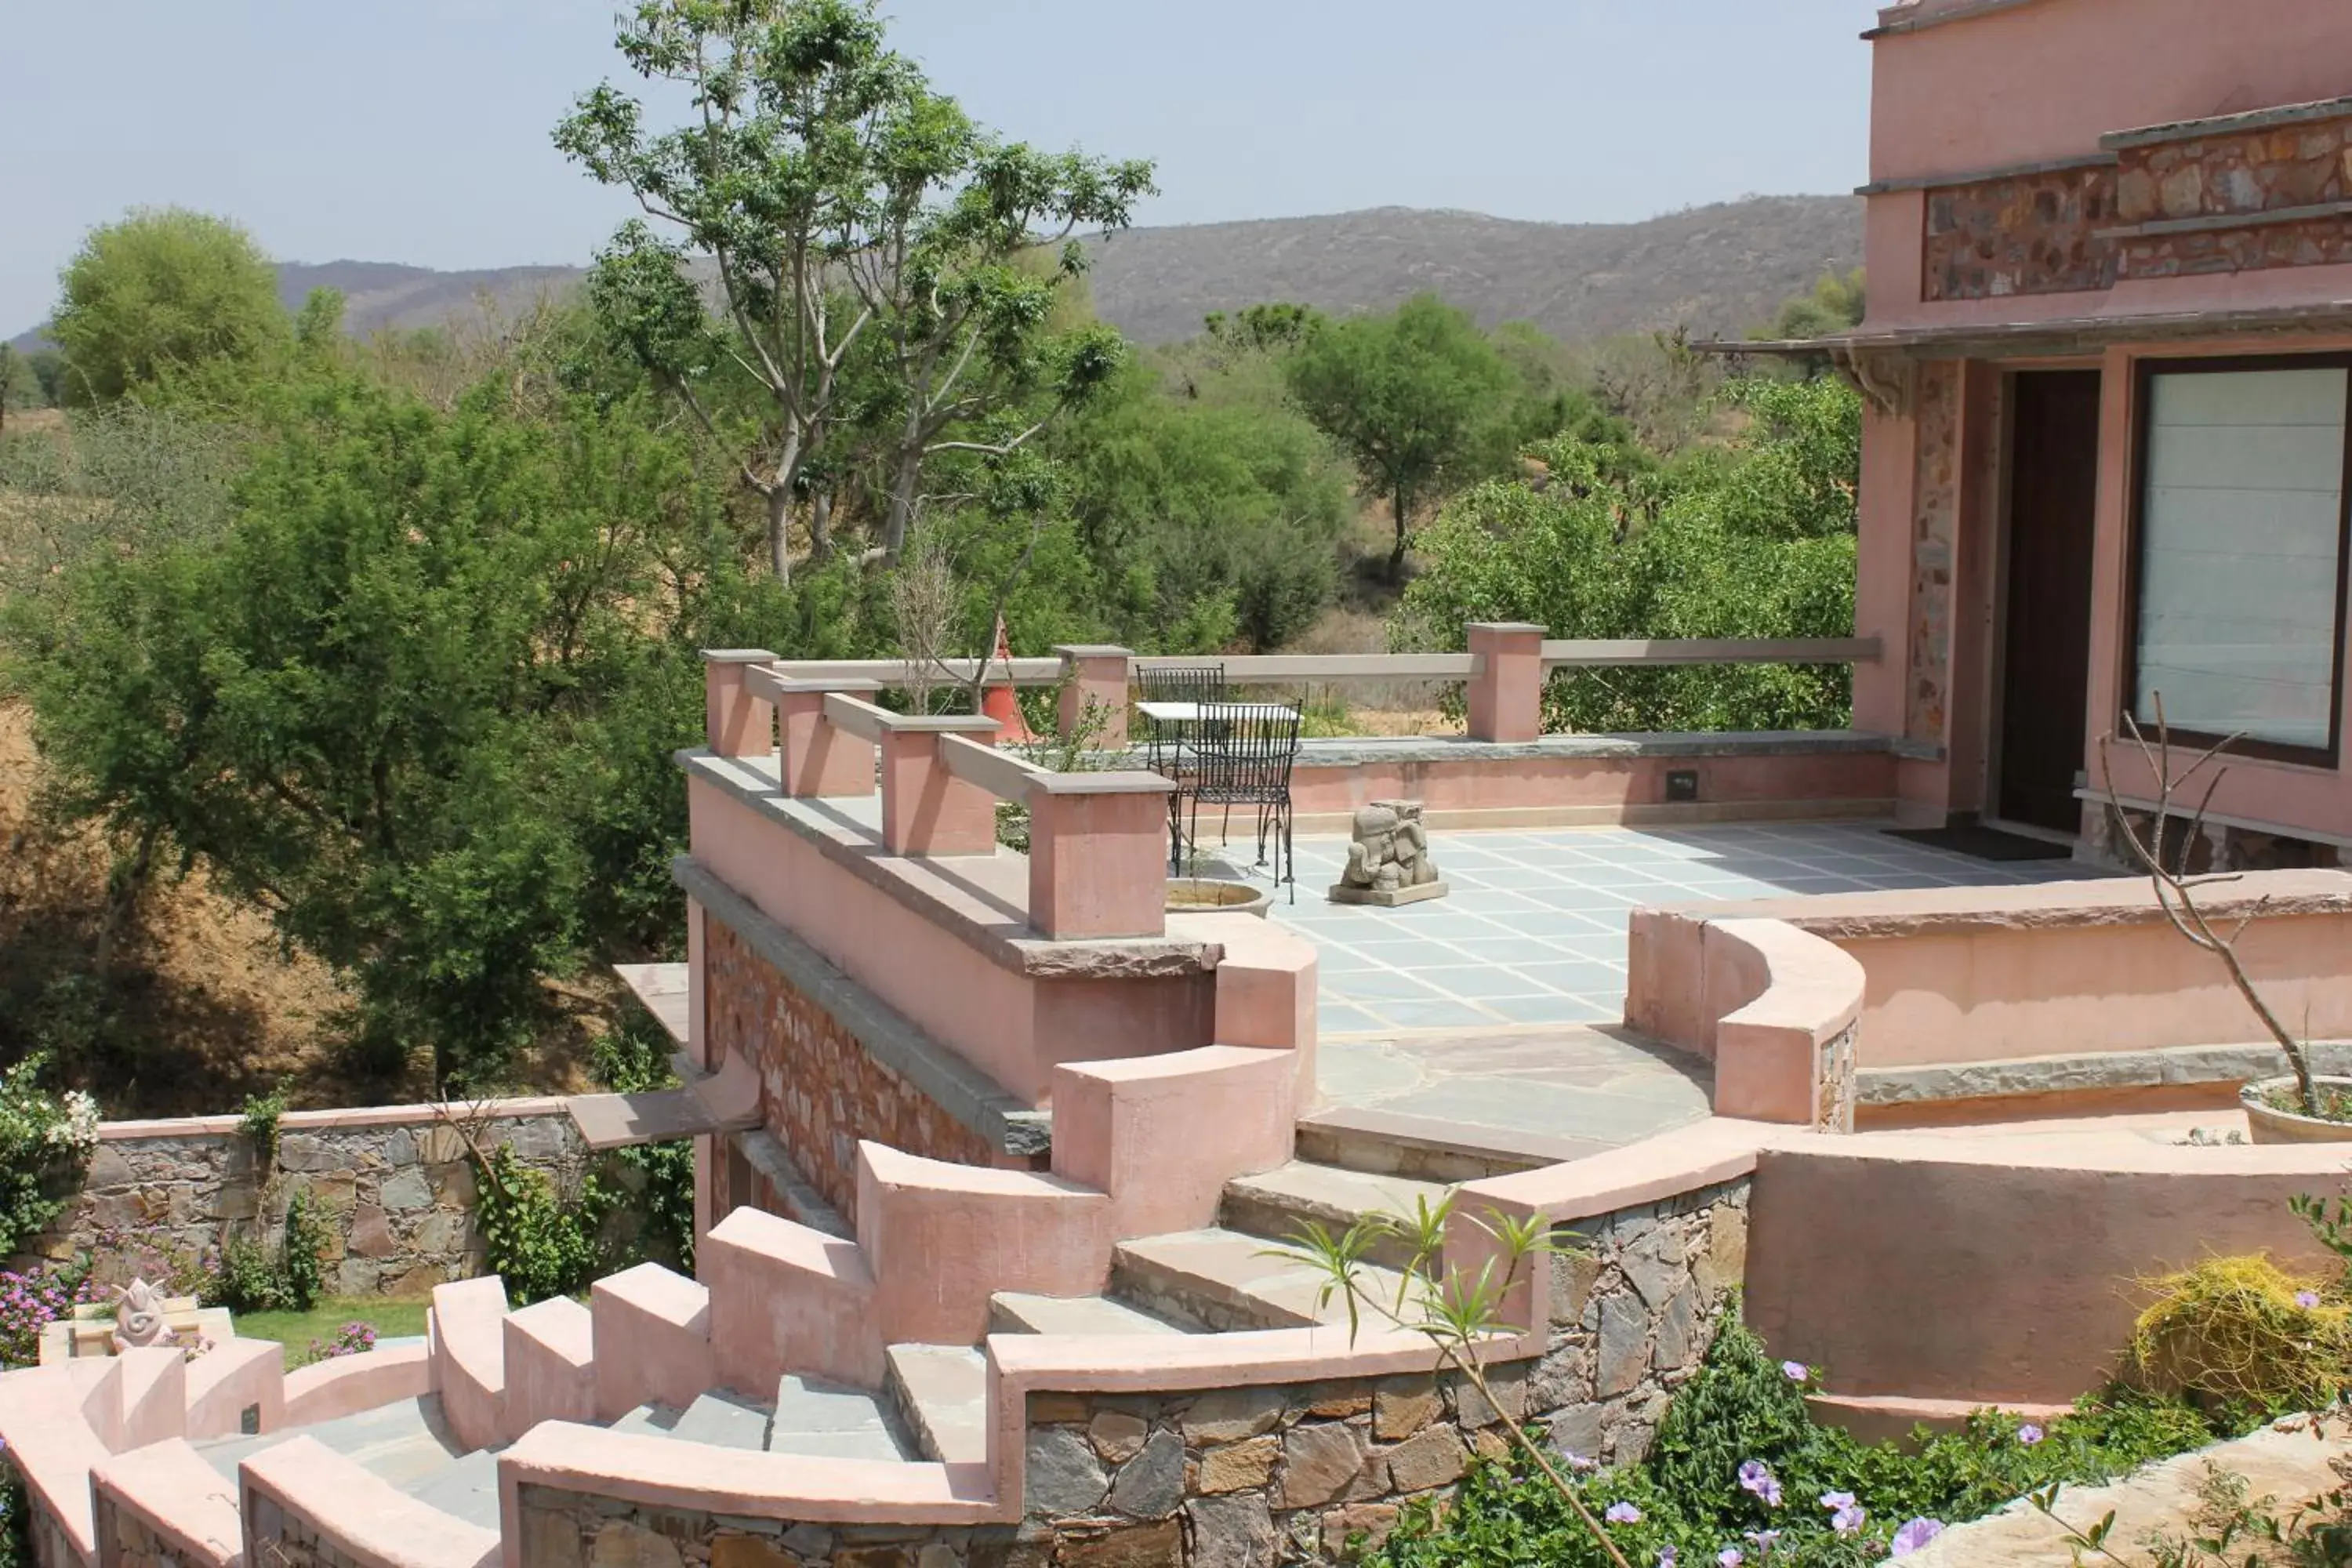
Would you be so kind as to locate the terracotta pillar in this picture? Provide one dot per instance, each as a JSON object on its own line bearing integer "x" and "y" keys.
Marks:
{"x": 927, "y": 810}
{"x": 1096, "y": 674}
{"x": 734, "y": 722}
{"x": 1099, "y": 855}
{"x": 1507, "y": 682}
{"x": 818, "y": 759}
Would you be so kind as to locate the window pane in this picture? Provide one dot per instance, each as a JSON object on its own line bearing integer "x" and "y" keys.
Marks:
{"x": 2240, "y": 531}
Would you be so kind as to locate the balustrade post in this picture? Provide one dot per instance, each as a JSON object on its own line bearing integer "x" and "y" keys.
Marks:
{"x": 1094, "y": 675}
{"x": 735, "y": 723}
{"x": 926, "y": 809}
{"x": 820, "y": 759}
{"x": 1099, "y": 855}
{"x": 1506, "y": 682}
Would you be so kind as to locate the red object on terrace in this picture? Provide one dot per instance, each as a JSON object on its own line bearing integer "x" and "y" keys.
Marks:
{"x": 998, "y": 701}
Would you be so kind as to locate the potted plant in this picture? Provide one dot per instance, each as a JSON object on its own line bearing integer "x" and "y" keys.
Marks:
{"x": 2297, "y": 1107}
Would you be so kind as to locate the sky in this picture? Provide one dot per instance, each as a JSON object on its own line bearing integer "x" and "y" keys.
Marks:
{"x": 416, "y": 130}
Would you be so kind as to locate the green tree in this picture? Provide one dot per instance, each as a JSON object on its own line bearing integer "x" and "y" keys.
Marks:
{"x": 411, "y": 696}
{"x": 163, "y": 295}
{"x": 1754, "y": 540}
{"x": 1834, "y": 305}
{"x": 1209, "y": 516}
{"x": 1411, "y": 397}
{"x": 872, "y": 248}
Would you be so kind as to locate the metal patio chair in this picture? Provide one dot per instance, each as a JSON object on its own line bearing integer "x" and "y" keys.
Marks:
{"x": 1243, "y": 756}
{"x": 1168, "y": 746}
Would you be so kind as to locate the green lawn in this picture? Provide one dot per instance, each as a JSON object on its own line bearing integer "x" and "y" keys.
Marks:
{"x": 295, "y": 1331}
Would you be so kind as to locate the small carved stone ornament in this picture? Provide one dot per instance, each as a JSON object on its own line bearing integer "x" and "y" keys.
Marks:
{"x": 1389, "y": 863}
{"x": 139, "y": 1317}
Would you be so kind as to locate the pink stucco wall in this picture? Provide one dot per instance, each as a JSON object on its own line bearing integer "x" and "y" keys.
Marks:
{"x": 1576, "y": 788}
{"x": 2045, "y": 81}
{"x": 1015, "y": 1027}
{"x": 1988, "y": 1270}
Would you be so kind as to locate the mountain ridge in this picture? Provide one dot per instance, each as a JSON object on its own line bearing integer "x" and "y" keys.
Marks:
{"x": 1719, "y": 268}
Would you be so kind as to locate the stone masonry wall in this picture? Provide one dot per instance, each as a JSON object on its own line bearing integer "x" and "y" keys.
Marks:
{"x": 2259, "y": 196}
{"x": 396, "y": 1194}
{"x": 126, "y": 1540}
{"x": 2028, "y": 233}
{"x": 52, "y": 1547}
{"x": 280, "y": 1539}
{"x": 1935, "y": 527}
{"x": 1633, "y": 1311}
{"x": 819, "y": 1090}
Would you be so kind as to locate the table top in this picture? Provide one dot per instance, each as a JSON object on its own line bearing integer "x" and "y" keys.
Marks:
{"x": 1190, "y": 712}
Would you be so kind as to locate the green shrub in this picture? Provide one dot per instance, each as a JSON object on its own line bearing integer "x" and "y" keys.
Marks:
{"x": 1743, "y": 1414}
{"x": 537, "y": 1244}
{"x": 251, "y": 1277}
{"x": 44, "y": 1142}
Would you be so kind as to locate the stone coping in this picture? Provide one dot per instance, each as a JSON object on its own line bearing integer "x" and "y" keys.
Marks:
{"x": 1893, "y": 22}
{"x": 2229, "y": 124}
{"x": 532, "y": 1109}
{"x": 2045, "y": 906}
{"x": 1356, "y": 751}
{"x": 170, "y": 1488}
{"x": 968, "y": 1095}
{"x": 982, "y": 900}
{"x": 1988, "y": 175}
{"x": 2165, "y": 1068}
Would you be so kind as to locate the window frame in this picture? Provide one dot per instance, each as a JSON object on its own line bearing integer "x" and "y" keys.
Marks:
{"x": 2145, "y": 372}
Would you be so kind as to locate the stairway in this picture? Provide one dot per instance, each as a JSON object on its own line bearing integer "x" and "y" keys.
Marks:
{"x": 407, "y": 1444}
{"x": 1203, "y": 1281}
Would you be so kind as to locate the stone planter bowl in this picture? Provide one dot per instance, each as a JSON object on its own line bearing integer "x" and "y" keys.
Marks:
{"x": 2267, "y": 1124}
{"x": 1209, "y": 896}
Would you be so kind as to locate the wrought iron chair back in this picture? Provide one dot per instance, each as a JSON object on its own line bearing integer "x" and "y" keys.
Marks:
{"x": 1242, "y": 754}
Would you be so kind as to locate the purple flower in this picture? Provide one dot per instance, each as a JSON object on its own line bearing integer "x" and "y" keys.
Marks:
{"x": 1754, "y": 1478}
{"x": 1846, "y": 1515}
{"x": 2029, "y": 1434}
{"x": 1576, "y": 1461}
{"x": 1914, "y": 1535}
{"x": 1763, "y": 1541}
{"x": 1622, "y": 1513}
{"x": 1668, "y": 1557}
{"x": 2306, "y": 1299}
{"x": 1796, "y": 1372}
{"x": 1729, "y": 1557}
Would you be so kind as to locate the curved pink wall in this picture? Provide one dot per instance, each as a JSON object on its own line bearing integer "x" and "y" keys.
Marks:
{"x": 1997, "y": 1269}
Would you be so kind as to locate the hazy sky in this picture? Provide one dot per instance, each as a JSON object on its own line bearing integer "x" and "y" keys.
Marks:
{"x": 416, "y": 130}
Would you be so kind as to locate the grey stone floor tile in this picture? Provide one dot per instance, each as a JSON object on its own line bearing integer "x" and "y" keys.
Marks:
{"x": 1435, "y": 1014}
{"x": 1553, "y": 1007}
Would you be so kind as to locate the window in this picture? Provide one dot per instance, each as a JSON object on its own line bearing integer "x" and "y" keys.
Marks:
{"x": 2238, "y": 618}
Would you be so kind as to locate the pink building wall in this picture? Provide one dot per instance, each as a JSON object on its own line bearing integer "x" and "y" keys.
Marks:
{"x": 2001, "y": 89}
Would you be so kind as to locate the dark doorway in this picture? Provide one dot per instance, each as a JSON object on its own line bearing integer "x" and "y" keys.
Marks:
{"x": 2046, "y": 641}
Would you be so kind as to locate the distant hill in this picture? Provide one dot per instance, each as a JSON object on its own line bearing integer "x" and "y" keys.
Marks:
{"x": 1718, "y": 269}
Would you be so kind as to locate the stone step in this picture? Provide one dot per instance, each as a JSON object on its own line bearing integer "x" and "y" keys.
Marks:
{"x": 832, "y": 1421}
{"x": 940, "y": 1392}
{"x": 1017, "y": 1312}
{"x": 404, "y": 1443}
{"x": 724, "y": 1419}
{"x": 467, "y": 1488}
{"x": 1279, "y": 1204}
{"x": 1427, "y": 1148}
{"x": 1223, "y": 1280}
{"x": 648, "y": 1421}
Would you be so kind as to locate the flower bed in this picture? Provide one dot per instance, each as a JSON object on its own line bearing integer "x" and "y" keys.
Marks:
{"x": 1741, "y": 1476}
